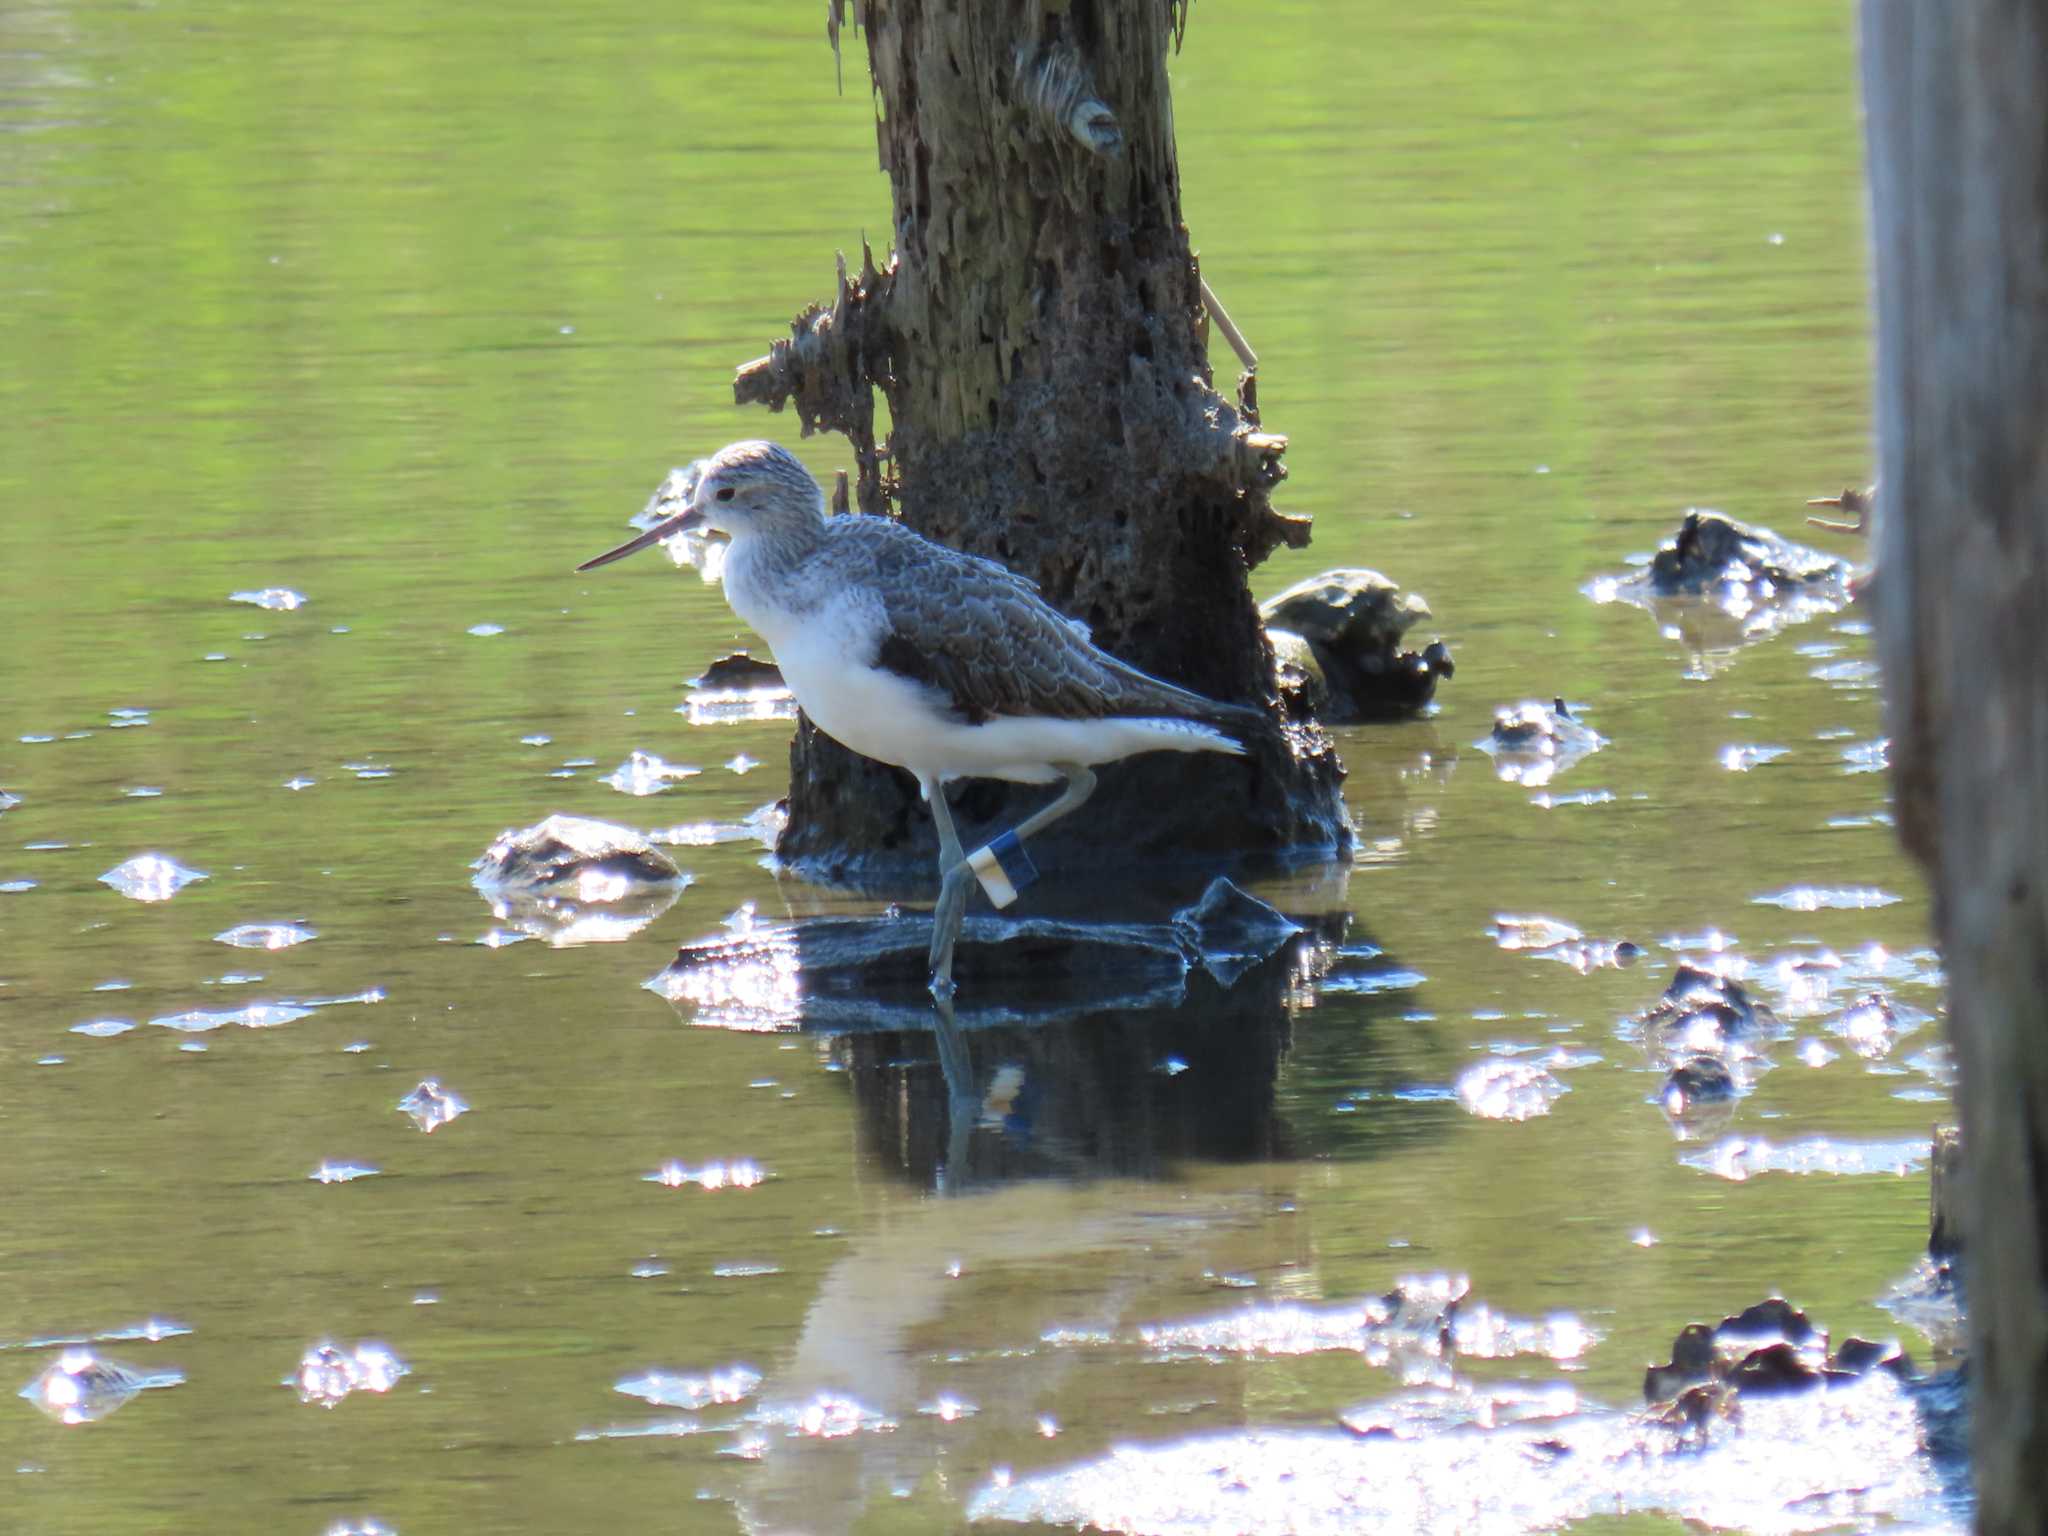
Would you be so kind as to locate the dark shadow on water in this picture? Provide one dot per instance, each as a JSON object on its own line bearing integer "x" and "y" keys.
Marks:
{"x": 1128, "y": 1093}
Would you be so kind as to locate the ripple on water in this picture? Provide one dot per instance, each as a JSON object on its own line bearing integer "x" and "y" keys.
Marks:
{"x": 1739, "y": 1157}
{"x": 150, "y": 877}
{"x": 431, "y": 1106}
{"x": 151, "y": 1330}
{"x": 327, "y": 1373}
{"x": 1849, "y": 1456}
{"x": 341, "y": 1173}
{"x": 103, "y": 1029}
{"x": 1508, "y": 1090}
{"x": 828, "y": 1416}
{"x": 737, "y": 706}
{"x": 265, "y": 935}
{"x": 670, "y": 1389}
{"x": 741, "y": 1174}
{"x": 1814, "y": 898}
{"x": 79, "y": 1386}
{"x": 1852, "y": 674}
{"x": 1740, "y": 757}
{"x": 643, "y": 773}
{"x": 274, "y": 599}
{"x": 1423, "y": 1322}
{"x": 255, "y": 1016}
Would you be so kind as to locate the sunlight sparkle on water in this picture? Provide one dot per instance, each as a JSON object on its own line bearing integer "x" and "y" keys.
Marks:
{"x": 79, "y": 1386}
{"x": 1844, "y": 1458}
{"x": 340, "y": 1173}
{"x": 150, "y": 877}
{"x": 644, "y": 773}
{"x": 255, "y": 1016}
{"x": 667, "y": 1389}
{"x": 827, "y": 1416}
{"x": 735, "y": 1175}
{"x": 1739, "y": 1158}
{"x": 432, "y": 1106}
{"x": 755, "y": 986}
{"x": 265, "y": 935}
{"x": 1741, "y": 757}
{"x": 327, "y": 1373}
{"x": 274, "y": 599}
{"x": 1508, "y": 1090}
{"x": 1813, "y": 898}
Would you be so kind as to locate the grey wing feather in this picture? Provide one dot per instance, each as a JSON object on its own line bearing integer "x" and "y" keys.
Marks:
{"x": 981, "y": 634}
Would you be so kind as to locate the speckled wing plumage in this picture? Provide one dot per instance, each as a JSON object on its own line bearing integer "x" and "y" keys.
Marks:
{"x": 981, "y": 635}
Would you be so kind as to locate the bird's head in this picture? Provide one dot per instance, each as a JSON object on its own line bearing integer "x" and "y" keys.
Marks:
{"x": 742, "y": 489}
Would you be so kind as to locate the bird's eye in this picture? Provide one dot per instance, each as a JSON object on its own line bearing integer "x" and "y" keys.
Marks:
{"x": 725, "y": 493}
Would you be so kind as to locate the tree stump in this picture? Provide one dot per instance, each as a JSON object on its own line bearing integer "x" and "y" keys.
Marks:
{"x": 1957, "y": 94}
{"x": 1039, "y": 338}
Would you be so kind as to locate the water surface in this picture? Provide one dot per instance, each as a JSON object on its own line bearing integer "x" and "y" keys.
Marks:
{"x": 405, "y": 314}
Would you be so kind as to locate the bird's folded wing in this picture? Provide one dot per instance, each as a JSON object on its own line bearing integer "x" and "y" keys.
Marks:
{"x": 982, "y": 637}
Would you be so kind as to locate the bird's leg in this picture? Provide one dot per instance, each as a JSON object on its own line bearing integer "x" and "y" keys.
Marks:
{"x": 1079, "y": 786}
{"x": 942, "y": 818}
{"x": 963, "y": 1104}
{"x": 952, "y": 905}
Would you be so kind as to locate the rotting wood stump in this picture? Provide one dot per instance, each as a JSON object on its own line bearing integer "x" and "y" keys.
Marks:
{"x": 1039, "y": 337}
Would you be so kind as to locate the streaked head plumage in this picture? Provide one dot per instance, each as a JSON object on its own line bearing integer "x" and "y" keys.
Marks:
{"x": 747, "y": 483}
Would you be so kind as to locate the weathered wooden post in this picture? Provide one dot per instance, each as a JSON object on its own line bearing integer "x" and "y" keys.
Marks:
{"x": 1039, "y": 337}
{"x": 1957, "y": 97}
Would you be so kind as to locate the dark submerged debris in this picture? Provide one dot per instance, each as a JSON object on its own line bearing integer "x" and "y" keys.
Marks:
{"x": 1929, "y": 1296}
{"x": 1770, "y": 1348}
{"x": 1704, "y": 1012}
{"x": 738, "y": 673}
{"x": 1944, "y": 1195}
{"x": 593, "y": 856}
{"x": 1696, "y": 1082}
{"x": 1229, "y": 930}
{"x": 1712, "y": 551}
{"x": 573, "y": 880}
{"x": 1546, "y": 938}
{"x": 1531, "y": 743}
{"x": 1337, "y": 639}
{"x": 1718, "y": 584}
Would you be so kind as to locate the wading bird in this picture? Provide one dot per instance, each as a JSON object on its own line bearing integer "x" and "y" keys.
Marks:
{"x": 935, "y": 661}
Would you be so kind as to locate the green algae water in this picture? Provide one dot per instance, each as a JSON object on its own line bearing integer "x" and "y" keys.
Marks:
{"x": 404, "y": 311}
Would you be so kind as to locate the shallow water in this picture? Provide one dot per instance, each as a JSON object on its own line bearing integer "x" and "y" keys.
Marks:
{"x": 335, "y": 338}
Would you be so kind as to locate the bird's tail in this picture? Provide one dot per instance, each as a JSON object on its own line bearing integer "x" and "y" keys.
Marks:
{"x": 1164, "y": 734}
{"x": 1155, "y": 697}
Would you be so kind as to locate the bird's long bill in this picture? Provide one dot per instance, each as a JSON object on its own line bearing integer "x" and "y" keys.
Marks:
{"x": 667, "y": 528}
